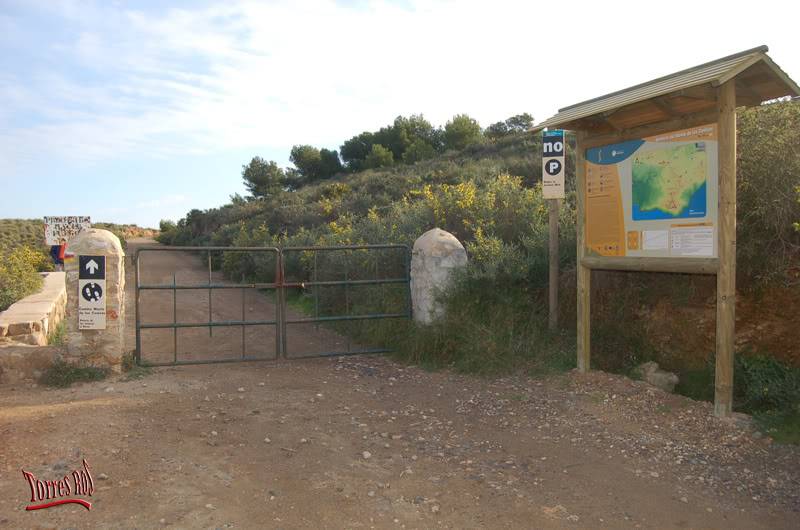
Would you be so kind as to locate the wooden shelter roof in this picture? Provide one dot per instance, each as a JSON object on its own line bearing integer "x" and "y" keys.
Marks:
{"x": 690, "y": 91}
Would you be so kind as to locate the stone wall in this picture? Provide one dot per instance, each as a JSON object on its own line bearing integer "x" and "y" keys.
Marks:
{"x": 102, "y": 347}
{"x": 435, "y": 256}
{"x": 34, "y": 318}
{"x": 25, "y": 328}
{"x": 20, "y": 362}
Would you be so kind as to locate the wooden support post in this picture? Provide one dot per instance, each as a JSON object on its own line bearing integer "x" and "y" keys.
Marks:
{"x": 584, "y": 273}
{"x": 726, "y": 248}
{"x": 553, "y": 281}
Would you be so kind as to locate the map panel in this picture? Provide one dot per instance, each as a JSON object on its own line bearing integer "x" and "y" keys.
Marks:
{"x": 670, "y": 183}
{"x": 654, "y": 197}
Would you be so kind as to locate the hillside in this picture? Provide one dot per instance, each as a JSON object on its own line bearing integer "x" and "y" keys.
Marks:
{"x": 451, "y": 190}
{"x": 30, "y": 232}
{"x": 18, "y": 232}
{"x": 347, "y": 198}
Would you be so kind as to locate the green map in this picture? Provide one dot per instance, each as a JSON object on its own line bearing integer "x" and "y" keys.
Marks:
{"x": 670, "y": 183}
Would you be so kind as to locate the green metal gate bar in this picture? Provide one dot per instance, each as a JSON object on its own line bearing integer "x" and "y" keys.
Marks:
{"x": 315, "y": 283}
{"x": 280, "y": 287}
{"x": 211, "y": 324}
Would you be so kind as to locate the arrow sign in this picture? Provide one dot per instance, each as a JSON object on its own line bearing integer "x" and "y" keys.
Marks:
{"x": 91, "y": 267}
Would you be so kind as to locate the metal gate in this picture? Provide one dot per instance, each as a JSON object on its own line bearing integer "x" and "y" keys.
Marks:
{"x": 304, "y": 302}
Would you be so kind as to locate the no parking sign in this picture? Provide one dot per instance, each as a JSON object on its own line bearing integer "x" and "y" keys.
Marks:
{"x": 553, "y": 164}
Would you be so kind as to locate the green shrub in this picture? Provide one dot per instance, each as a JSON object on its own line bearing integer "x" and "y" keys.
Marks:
{"x": 488, "y": 330}
{"x": 768, "y": 177}
{"x": 764, "y": 383}
{"x": 762, "y": 386}
{"x": 19, "y": 275}
{"x": 62, "y": 374}
{"x": 761, "y": 383}
{"x": 782, "y": 426}
{"x": 131, "y": 369}
{"x": 378, "y": 157}
{"x": 462, "y": 131}
{"x": 58, "y": 337}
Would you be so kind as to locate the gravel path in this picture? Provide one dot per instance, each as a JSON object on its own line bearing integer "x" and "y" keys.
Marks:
{"x": 364, "y": 442}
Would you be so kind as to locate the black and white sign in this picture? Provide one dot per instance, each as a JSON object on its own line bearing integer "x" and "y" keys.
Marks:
{"x": 61, "y": 228}
{"x": 92, "y": 267}
{"x": 553, "y": 164}
{"x": 91, "y": 292}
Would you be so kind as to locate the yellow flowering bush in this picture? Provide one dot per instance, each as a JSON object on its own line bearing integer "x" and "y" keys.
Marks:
{"x": 19, "y": 275}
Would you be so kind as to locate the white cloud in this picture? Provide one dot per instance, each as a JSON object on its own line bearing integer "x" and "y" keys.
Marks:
{"x": 257, "y": 75}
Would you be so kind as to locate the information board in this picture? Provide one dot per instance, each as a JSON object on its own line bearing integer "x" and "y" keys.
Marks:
{"x": 654, "y": 197}
{"x": 64, "y": 227}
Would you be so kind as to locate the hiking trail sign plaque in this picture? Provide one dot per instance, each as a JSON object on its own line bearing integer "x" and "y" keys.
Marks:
{"x": 91, "y": 292}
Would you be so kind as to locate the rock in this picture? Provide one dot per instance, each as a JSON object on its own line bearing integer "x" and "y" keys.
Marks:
{"x": 267, "y": 440}
{"x": 366, "y": 454}
{"x": 435, "y": 256}
{"x": 102, "y": 476}
{"x": 652, "y": 374}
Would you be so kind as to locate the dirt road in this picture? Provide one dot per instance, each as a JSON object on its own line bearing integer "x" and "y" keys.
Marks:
{"x": 362, "y": 442}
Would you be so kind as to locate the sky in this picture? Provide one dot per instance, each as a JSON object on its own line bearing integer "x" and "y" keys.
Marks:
{"x": 133, "y": 112}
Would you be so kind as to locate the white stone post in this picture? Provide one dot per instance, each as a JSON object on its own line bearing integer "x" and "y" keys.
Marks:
{"x": 435, "y": 256}
{"x": 97, "y": 347}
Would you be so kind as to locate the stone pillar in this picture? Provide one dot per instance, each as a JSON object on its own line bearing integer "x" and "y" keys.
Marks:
{"x": 102, "y": 347}
{"x": 435, "y": 256}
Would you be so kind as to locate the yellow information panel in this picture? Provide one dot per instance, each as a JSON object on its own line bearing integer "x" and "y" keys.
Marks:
{"x": 654, "y": 197}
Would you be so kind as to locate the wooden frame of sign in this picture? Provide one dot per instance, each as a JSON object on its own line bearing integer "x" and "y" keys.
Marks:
{"x": 641, "y": 112}
{"x": 724, "y": 266}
